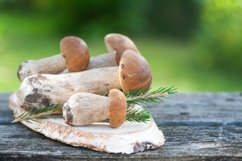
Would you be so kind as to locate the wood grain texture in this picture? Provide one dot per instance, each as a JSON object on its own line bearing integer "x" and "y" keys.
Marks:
{"x": 197, "y": 126}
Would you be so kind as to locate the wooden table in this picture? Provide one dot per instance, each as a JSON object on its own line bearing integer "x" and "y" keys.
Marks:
{"x": 197, "y": 126}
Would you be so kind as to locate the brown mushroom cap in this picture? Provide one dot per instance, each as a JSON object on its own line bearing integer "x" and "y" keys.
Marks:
{"x": 117, "y": 108}
{"x": 134, "y": 71}
{"x": 75, "y": 52}
{"x": 118, "y": 43}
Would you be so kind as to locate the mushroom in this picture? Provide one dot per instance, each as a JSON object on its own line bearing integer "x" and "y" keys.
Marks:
{"x": 116, "y": 44}
{"x": 75, "y": 55}
{"x": 87, "y": 108}
{"x": 46, "y": 89}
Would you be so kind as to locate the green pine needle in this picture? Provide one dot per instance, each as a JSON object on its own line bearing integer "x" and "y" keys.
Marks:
{"x": 138, "y": 115}
{"x": 143, "y": 96}
{"x": 38, "y": 112}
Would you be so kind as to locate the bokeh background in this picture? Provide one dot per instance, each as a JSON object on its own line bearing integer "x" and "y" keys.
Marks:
{"x": 194, "y": 45}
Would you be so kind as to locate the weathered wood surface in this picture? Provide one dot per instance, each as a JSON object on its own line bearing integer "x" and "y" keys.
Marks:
{"x": 197, "y": 126}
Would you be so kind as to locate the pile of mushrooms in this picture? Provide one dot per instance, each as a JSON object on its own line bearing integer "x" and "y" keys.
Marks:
{"x": 78, "y": 81}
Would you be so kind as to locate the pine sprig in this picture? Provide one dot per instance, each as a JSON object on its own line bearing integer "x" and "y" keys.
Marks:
{"x": 138, "y": 115}
{"x": 38, "y": 112}
{"x": 143, "y": 96}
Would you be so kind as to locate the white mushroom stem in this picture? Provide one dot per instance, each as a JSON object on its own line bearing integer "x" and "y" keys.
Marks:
{"x": 100, "y": 61}
{"x": 85, "y": 108}
{"x": 56, "y": 64}
{"x": 51, "y": 65}
{"x": 103, "y": 60}
{"x": 47, "y": 89}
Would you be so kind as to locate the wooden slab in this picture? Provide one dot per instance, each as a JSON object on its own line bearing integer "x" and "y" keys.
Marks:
{"x": 197, "y": 126}
{"x": 129, "y": 138}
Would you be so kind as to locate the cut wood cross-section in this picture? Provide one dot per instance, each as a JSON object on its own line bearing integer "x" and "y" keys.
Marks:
{"x": 129, "y": 138}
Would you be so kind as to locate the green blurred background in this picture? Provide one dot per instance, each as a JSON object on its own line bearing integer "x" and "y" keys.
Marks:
{"x": 194, "y": 45}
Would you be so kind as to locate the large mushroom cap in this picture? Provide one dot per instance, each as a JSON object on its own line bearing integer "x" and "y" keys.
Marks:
{"x": 118, "y": 43}
{"x": 134, "y": 71}
{"x": 117, "y": 108}
{"x": 75, "y": 52}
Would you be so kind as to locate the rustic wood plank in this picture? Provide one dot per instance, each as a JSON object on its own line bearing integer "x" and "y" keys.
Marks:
{"x": 200, "y": 108}
{"x": 5, "y": 114}
{"x": 197, "y": 126}
{"x": 182, "y": 142}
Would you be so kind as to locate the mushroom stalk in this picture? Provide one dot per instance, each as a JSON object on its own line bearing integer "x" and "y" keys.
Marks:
{"x": 47, "y": 89}
{"x": 51, "y": 65}
{"x": 87, "y": 108}
{"x": 103, "y": 60}
{"x": 56, "y": 64}
{"x": 100, "y": 61}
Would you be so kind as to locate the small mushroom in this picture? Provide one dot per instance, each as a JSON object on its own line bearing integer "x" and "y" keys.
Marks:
{"x": 87, "y": 108}
{"x": 75, "y": 52}
{"x": 118, "y": 43}
{"x": 43, "y": 90}
{"x": 75, "y": 57}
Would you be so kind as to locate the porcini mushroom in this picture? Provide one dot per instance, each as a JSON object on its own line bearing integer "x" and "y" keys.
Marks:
{"x": 43, "y": 90}
{"x": 87, "y": 108}
{"x": 118, "y": 43}
{"x": 115, "y": 43}
{"x": 75, "y": 56}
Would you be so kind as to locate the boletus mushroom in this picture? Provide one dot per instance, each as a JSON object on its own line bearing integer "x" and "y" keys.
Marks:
{"x": 132, "y": 73}
{"x": 75, "y": 57}
{"x": 116, "y": 44}
{"x": 87, "y": 108}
